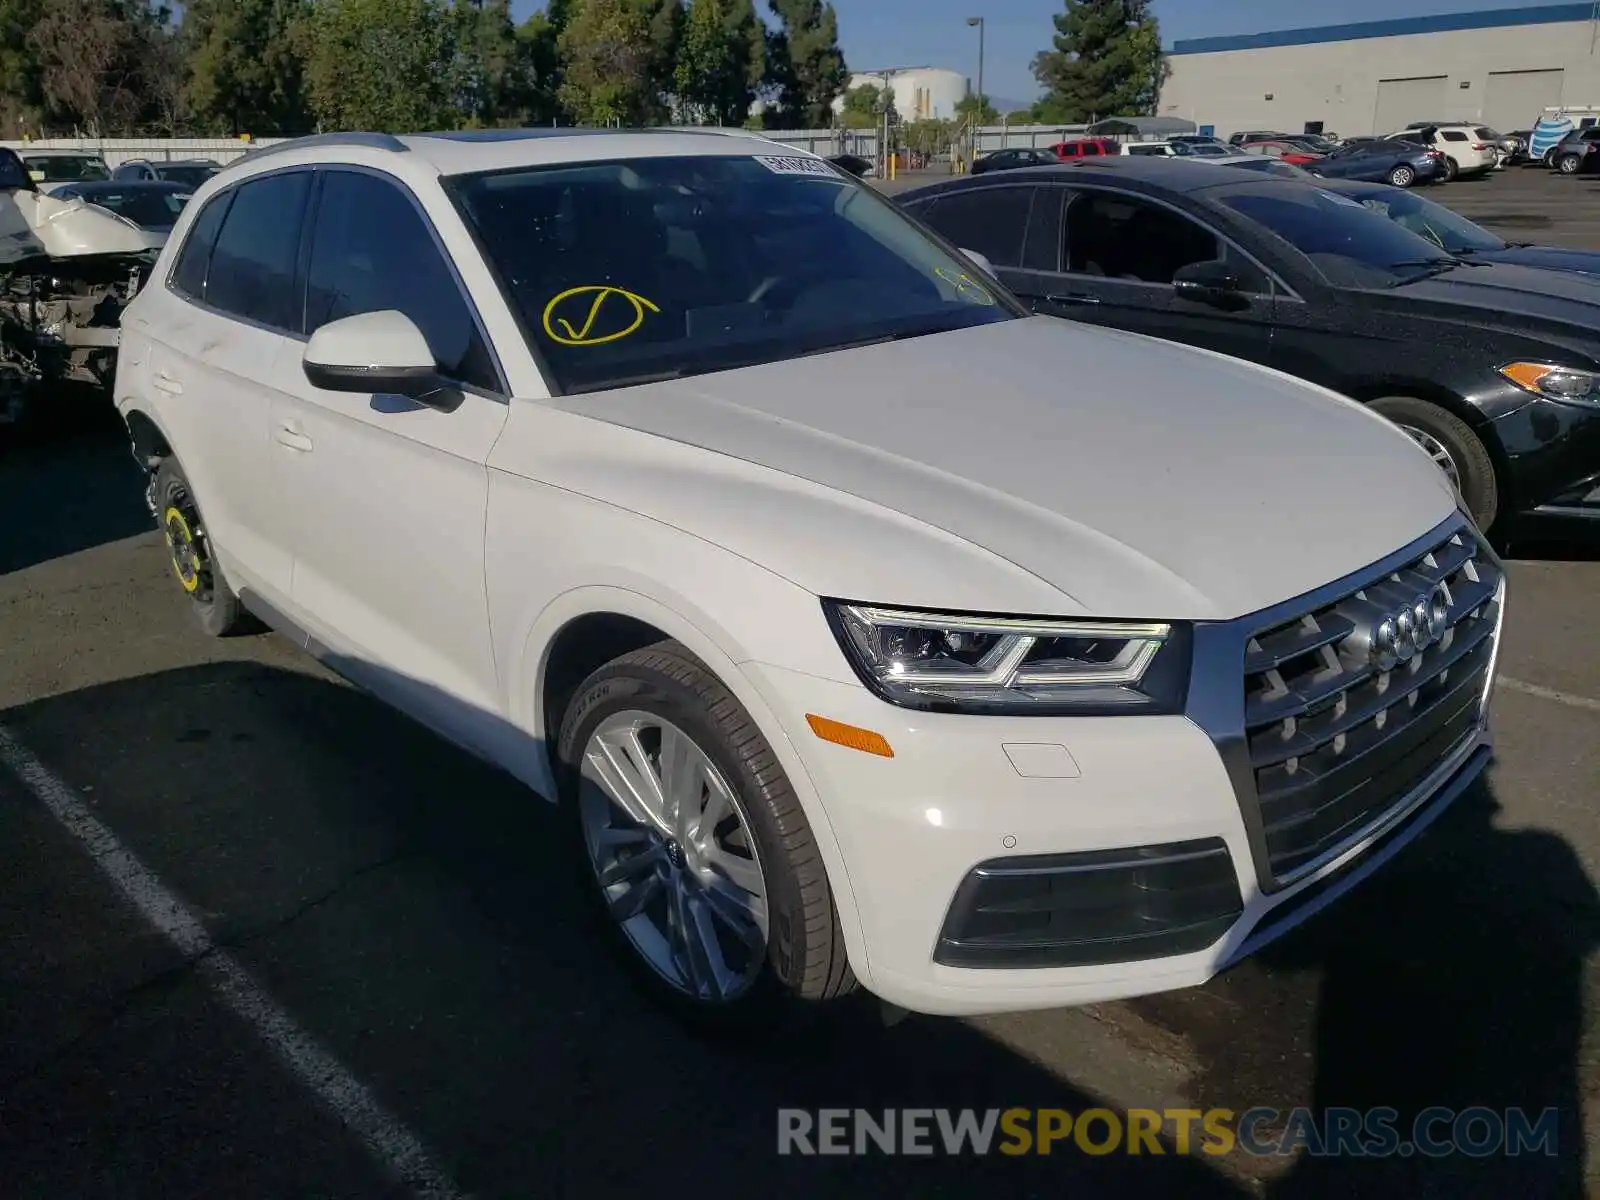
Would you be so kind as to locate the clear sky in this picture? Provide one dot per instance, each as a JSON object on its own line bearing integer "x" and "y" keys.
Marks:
{"x": 911, "y": 33}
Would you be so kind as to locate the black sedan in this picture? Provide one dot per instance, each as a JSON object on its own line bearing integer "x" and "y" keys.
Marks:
{"x": 1456, "y": 235}
{"x": 1494, "y": 369}
{"x": 1013, "y": 157}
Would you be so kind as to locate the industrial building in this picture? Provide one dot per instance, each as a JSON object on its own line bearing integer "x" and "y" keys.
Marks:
{"x": 920, "y": 93}
{"x": 1499, "y": 68}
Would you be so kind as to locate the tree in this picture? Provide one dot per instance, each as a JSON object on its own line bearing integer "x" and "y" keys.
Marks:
{"x": 22, "y": 101}
{"x": 538, "y": 45}
{"x": 607, "y": 64}
{"x": 806, "y": 63}
{"x": 381, "y": 65}
{"x": 664, "y": 26}
{"x": 975, "y": 106}
{"x": 245, "y": 73}
{"x": 1106, "y": 62}
{"x": 493, "y": 66}
{"x": 864, "y": 106}
{"x": 96, "y": 62}
{"x": 721, "y": 60}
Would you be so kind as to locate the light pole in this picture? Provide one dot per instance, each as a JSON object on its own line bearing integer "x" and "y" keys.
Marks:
{"x": 978, "y": 21}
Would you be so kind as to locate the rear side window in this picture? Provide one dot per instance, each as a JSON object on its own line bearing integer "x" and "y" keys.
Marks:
{"x": 991, "y": 221}
{"x": 1454, "y": 135}
{"x": 189, "y": 276}
{"x": 253, "y": 267}
{"x": 373, "y": 251}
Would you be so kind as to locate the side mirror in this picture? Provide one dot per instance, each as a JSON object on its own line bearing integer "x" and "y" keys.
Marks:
{"x": 375, "y": 352}
{"x": 983, "y": 263}
{"x": 1211, "y": 283}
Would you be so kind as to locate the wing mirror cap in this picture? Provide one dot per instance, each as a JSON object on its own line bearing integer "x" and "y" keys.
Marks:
{"x": 375, "y": 352}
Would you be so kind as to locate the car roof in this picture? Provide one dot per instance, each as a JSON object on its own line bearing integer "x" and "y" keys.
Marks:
{"x": 123, "y": 185}
{"x": 1180, "y": 174}
{"x": 43, "y": 151}
{"x": 419, "y": 157}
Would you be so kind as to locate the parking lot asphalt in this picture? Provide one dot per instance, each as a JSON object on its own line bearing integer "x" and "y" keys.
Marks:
{"x": 261, "y": 937}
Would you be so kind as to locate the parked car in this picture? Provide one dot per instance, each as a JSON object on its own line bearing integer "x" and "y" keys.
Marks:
{"x": 853, "y": 163}
{"x": 1264, "y": 164}
{"x": 1198, "y": 140}
{"x": 152, "y": 206}
{"x": 1012, "y": 158}
{"x": 1086, "y": 148}
{"x": 1576, "y": 153}
{"x": 635, "y": 477}
{"x": 52, "y": 168}
{"x": 191, "y": 172}
{"x": 1493, "y": 368}
{"x": 1399, "y": 163}
{"x": 1456, "y": 235}
{"x": 1246, "y": 136}
{"x": 1287, "y": 151}
{"x": 1466, "y": 153}
{"x": 1172, "y": 148}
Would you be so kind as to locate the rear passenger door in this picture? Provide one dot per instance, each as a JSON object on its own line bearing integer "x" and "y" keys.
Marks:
{"x": 219, "y": 346}
{"x": 387, "y": 496}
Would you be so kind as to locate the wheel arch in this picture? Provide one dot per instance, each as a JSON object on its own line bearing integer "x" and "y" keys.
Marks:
{"x": 149, "y": 442}
{"x": 1432, "y": 393}
{"x": 577, "y": 626}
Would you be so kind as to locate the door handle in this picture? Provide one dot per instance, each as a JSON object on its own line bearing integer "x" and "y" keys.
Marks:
{"x": 291, "y": 435}
{"x": 166, "y": 383}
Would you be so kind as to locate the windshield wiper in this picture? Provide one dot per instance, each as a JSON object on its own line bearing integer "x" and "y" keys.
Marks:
{"x": 1436, "y": 266}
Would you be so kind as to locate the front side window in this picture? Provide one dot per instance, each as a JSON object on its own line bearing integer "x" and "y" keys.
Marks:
{"x": 371, "y": 251}
{"x": 189, "y": 176}
{"x": 1348, "y": 243}
{"x": 648, "y": 268}
{"x": 253, "y": 267}
{"x": 1125, "y": 237}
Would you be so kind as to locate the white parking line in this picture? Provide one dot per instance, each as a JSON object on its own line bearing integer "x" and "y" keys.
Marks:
{"x": 1544, "y": 693}
{"x": 394, "y": 1146}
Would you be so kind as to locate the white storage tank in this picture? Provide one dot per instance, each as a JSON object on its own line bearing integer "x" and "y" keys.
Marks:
{"x": 920, "y": 93}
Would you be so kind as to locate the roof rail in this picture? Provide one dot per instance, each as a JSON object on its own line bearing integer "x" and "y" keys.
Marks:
{"x": 374, "y": 141}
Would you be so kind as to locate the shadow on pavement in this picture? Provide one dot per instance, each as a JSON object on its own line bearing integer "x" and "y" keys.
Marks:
{"x": 419, "y": 915}
{"x": 71, "y": 477}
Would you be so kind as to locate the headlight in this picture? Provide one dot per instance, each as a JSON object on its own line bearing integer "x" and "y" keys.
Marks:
{"x": 1556, "y": 383}
{"x": 1014, "y": 665}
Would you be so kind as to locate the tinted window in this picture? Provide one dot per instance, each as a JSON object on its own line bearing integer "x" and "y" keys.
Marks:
{"x": 1454, "y": 135}
{"x": 253, "y": 267}
{"x": 64, "y": 168}
{"x": 189, "y": 276}
{"x": 991, "y": 221}
{"x": 1123, "y": 237}
{"x": 149, "y": 208}
{"x": 1041, "y": 250}
{"x": 1435, "y": 222}
{"x": 189, "y": 176}
{"x": 372, "y": 251}
{"x": 670, "y": 266}
{"x": 1350, "y": 244}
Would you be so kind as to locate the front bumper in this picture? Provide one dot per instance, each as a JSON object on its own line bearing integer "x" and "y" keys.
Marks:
{"x": 1013, "y": 863}
{"x": 913, "y": 829}
{"x": 1553, "y": 450}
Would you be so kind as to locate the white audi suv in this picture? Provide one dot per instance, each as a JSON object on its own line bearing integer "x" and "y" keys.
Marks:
{"x": 867, "y": 628}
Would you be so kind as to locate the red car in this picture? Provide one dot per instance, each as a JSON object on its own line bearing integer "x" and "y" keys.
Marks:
{"x": 1297, "y": 156}
{"x": 1085, "y": 148}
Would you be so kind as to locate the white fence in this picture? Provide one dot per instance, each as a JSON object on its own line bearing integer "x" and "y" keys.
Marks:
{"x": 225, "y": 150}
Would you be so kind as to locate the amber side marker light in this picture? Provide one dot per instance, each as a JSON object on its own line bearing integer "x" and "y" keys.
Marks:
{"x": 855, "y": 738}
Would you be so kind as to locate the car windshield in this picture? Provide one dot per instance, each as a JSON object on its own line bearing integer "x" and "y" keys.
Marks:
{"x": 1448, "y": 230}
{"x": 149, "y": 208}
{"x": 640, "y": 269}
{"x": 1351, "y": 245}
{"x": 189, "y": 176}
{"x": 64, "y": 168}
{"x": 1272, "y": 166}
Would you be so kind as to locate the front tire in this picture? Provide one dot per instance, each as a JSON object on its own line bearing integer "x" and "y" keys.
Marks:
{"x": 1455, "y": 449}
{"x": 699, "y": 860}
{"x": 1402, "y": 176}
{"x": 1451, "y": 169}
{"x": 215, "y": 607}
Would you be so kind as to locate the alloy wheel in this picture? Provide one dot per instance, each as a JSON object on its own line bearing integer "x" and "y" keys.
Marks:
{"x": 1437, "y": 451}
{"x": 673, "y": 853}
{"x": 1402, "y": 176}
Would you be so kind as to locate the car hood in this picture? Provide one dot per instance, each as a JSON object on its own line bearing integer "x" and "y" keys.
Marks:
{"x": 1514, "y": 294}
{"x": 1548, "y": 258}
{"x": 1135, "y": 477}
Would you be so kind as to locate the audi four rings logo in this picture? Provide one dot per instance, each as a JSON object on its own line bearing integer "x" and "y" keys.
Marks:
{"x": 1400, "y": 636}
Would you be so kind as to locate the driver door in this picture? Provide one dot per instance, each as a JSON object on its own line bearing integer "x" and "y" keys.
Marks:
{"x": 1120, "y": 252}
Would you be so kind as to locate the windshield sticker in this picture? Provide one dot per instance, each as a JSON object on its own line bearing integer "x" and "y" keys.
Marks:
{"x": 967, "y": 288}
{"x": 608, "y": 314}
{"x": 795, "y": 165}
